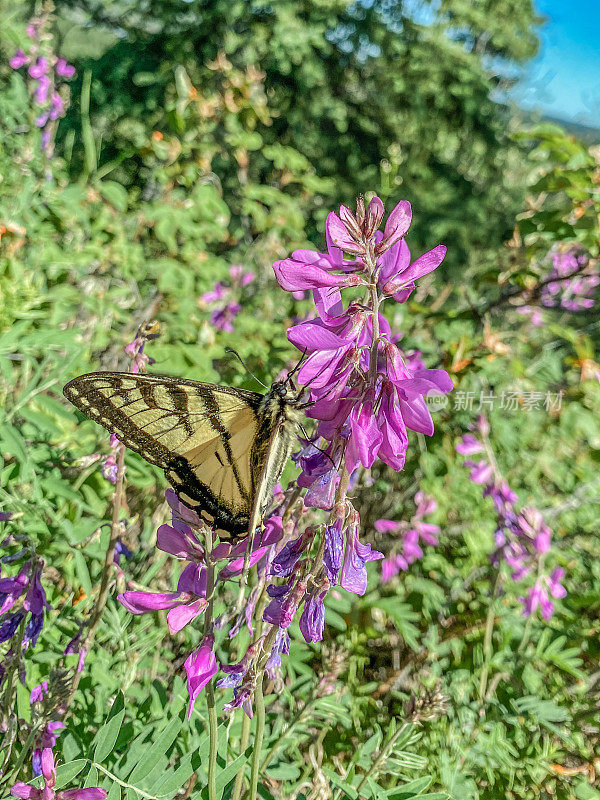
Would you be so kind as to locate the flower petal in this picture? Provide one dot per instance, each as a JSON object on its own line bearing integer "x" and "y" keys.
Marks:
{"x": 140, "y": 602}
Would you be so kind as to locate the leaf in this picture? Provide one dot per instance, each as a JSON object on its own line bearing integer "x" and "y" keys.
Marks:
{"x": 410, "y": 789}
{"x": 83, "y": 572}
{"x": 108, "y": 734}
{"x": 114, "y": 193}
{"x": 156, "y": 751}
{"x": 340, "y": 783}
{"x": 66, "y": 772}
{"x": 176, "y": 777}
{"x": 231, "y": 770}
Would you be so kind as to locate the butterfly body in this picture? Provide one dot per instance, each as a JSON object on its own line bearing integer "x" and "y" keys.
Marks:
{"x": 222, "y": 449}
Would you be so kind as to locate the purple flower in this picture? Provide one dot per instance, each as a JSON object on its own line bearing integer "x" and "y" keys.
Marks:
{"x": 41, "y": 92}
{"x": 56, "y": 106}
{"x": 284, "y": 562}
{"x": 538, "y": 595}
{"x": 9, "y": 627}
{"x": 469, "y": 445}
{"x": 63, "y": 69}
{"x": 239, "y": 277}
{"x": 312, "y": 619}
{"x": 286, "y": 599}
{"x": 19, "y": 59}
{"x": 309, "y": 270}
{"x": 48, "y": 792}
{"x": 38, "y": 692}
{"x": 47, "y": 740}
{"x": 280, "y": 645}
{"x": 12, "y": 588}
{"x": 200, "y": 666}
{"x": 356, "y": 555}
{"x": 318, "y": 475}
{"x": 481, "y": 471}
{"x": 183, "y": 605}
{"x": 334, "y": 551}
{"x": 403, "y": 280}
{"x": 121, "y": 549}
{"x": 222, "y": 318}
{"x": 109, "y": 469}
{"x": 39, "y": 69}
{"x": 532, "y": 524}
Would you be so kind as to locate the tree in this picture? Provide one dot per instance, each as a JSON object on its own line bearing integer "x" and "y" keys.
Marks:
{"x": 403, "y": 99}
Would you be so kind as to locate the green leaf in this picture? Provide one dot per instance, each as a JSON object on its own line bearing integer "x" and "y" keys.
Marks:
{"x": 155, "y": 751}
{"x": 66, "y": 772}
{"x": 107, "y": 735}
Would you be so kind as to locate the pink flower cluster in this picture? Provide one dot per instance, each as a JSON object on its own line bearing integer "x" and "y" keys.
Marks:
{"x": 412, "y": 534}
{"x": 221, "y": 299}
{"x": 189, "y": 601}
{"x": 31, "y": 609}
{"x": 47, "y": 71}
{"x": 572, "y": 286}
{"x": 48, "y": 791}
{"x": 522, "y": 538}
{"x": 365, "y": 391}
{"x": 575, "y": 294}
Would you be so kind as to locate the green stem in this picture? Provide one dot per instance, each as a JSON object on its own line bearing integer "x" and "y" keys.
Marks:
{"x": 259, "y": 707}
{"x": 385, "y": 751}
{"x": 245, "y": 738}
{"x": 286, "y": 731}
{"x": 122, "y": 783}
{"x": 487, "y": 641}
{"x": 210, "y": 692}
{"x": 107, "y": 570}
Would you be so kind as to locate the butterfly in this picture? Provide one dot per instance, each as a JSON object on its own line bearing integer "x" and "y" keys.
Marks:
{"x": 222, "y": 449}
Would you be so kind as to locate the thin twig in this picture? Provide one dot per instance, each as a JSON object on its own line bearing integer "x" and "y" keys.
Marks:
{"x": 210, "y": 691}
{"x": 107, "y": 569}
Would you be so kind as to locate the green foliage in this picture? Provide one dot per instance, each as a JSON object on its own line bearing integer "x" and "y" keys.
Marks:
{"x": 366, "y": 96}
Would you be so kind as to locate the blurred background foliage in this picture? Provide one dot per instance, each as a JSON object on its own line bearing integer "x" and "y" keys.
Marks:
{"x": 205, "y": 134}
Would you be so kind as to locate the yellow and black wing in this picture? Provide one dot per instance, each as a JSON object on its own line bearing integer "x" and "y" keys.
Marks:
{"x": 211, "y": 441}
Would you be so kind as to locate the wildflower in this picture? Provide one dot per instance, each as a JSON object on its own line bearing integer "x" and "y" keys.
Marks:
{"x": 38, "y": 692}
{"x": 284, "y": 604}
{"x": 11, "y": 589}
{"x": 200, "y": 666}
{"x": 9, "y": 627}
{"x": 121, "y": 549}
{"x": 284, "y": 562}
{"x": 47, "y": 740}
{"x": 522, "y": 538}
{"x": 63, "y": 69}
{"x": 481, "y": 471}
{"x": 281, "y": 645}
{"x": 183, "y": 605}
{"x": 469, "y": 445}
{"x": 19, "y": 60}
{"x": 39, "y": 69}
{"x": 411, "y": 535}
{"x": 539, "y": 595}
{"x": 312, "y": 619}
{"x": 334, "y": 551}
{"x": 109, "y": 469}
{"x": 223, "y": 295}
{"x": 356, "y": 555}
{"x": 48, "y": 792}
{"x": 75, "y": 647}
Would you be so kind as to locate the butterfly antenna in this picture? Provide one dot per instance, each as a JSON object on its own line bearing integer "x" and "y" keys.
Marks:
{"x": 239, "y": 358}
{"x": 320, "y": 449}
{"x": 298, "y": 365}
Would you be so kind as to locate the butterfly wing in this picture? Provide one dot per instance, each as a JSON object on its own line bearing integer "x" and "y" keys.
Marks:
{"x": 203, "y": 436}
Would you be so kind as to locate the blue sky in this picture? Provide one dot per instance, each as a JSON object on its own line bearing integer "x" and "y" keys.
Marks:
{"x": 564, "y": 79}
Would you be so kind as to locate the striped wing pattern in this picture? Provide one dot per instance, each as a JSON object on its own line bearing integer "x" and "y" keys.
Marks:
{"x": 211, "y": 441}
